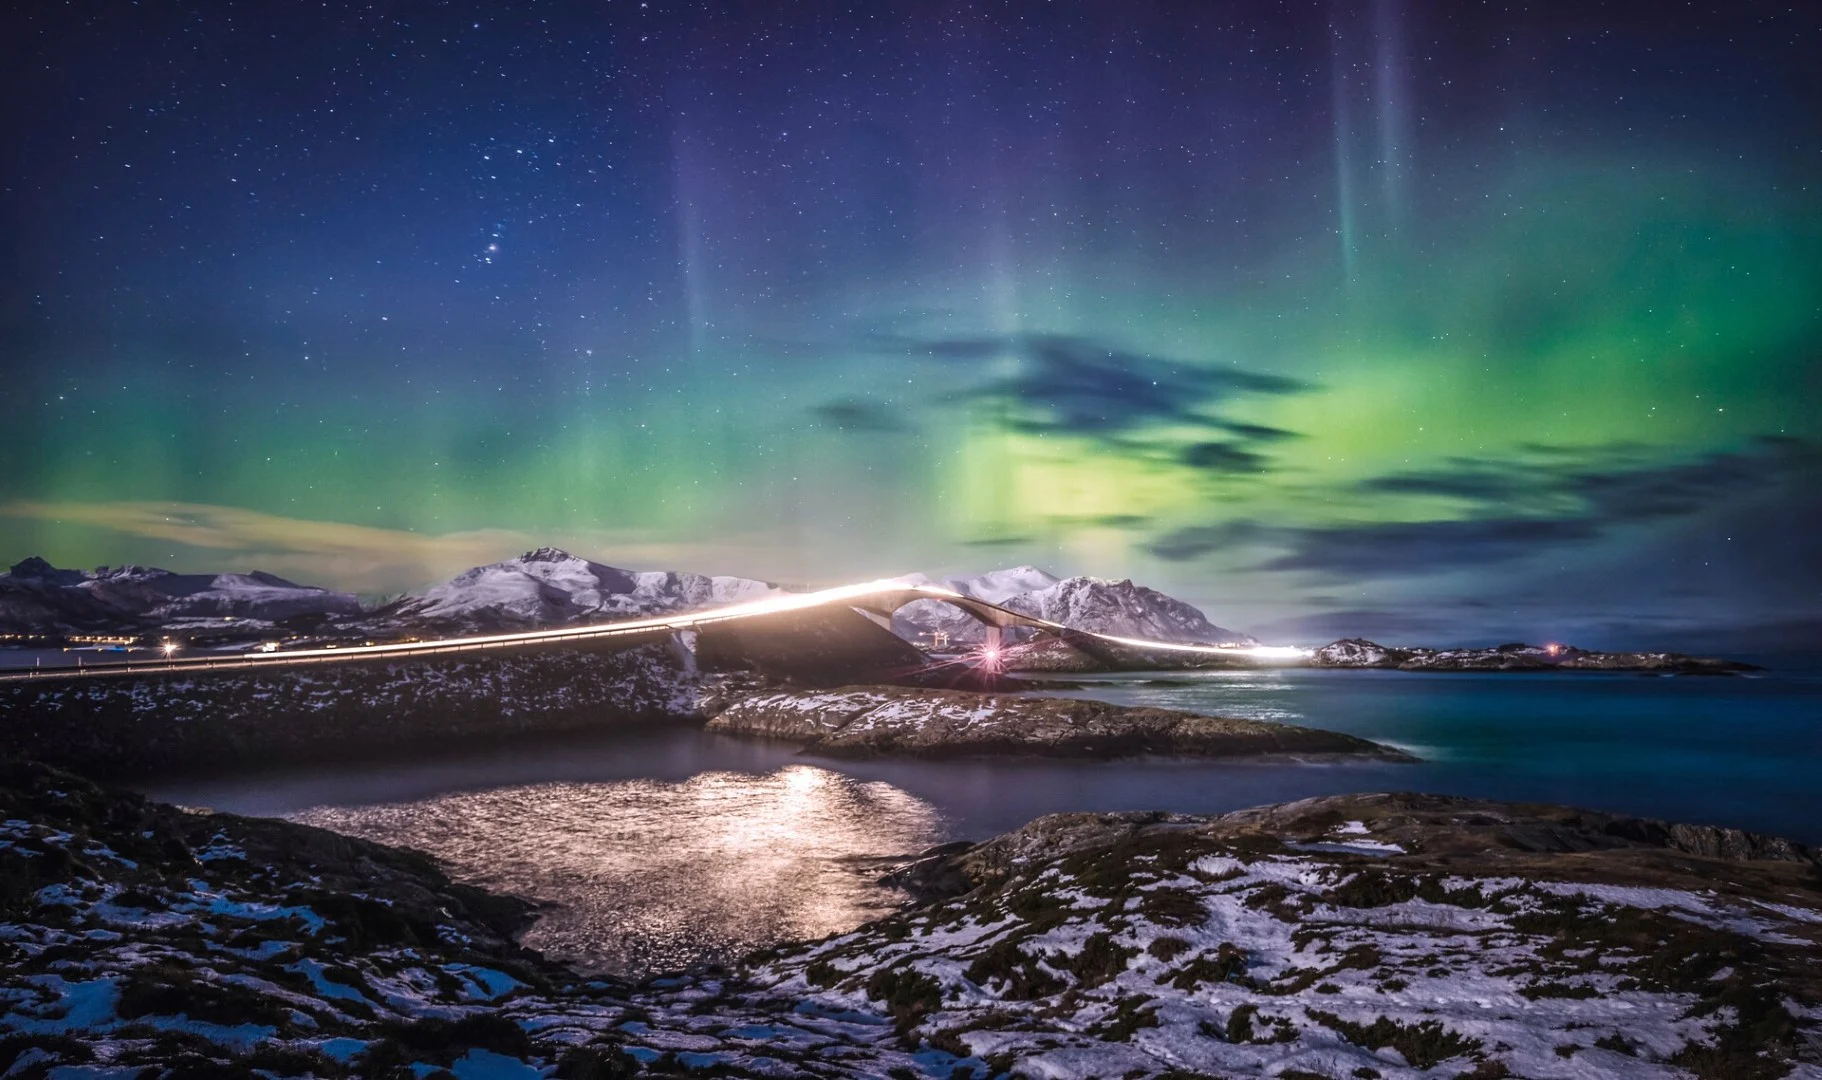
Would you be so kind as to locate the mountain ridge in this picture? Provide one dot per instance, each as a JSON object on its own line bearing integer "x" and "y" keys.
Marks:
{"x": 1115, "y": 607}
{"x": 546, "y": 586}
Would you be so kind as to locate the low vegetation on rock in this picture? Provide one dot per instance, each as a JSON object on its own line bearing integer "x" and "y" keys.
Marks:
{"x": 1367, "y": 936}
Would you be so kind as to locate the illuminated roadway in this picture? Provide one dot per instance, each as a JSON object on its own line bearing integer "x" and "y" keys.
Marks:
{"x": 879, "y": 597}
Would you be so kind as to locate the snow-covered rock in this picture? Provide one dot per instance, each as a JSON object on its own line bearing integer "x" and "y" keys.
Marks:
{"x": 1118, "y": 608}
{"x": 1409, "y": 937}
{"x": 889, "y": 721}
{"x": 549, "y": 586}
{"x": 1351, "y": 652}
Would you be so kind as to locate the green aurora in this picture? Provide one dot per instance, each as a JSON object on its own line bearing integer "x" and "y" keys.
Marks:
{"x": 1412, "y": 348}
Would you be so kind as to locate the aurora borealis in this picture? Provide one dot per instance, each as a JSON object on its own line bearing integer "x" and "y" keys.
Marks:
{"x": 1426, "y": 321}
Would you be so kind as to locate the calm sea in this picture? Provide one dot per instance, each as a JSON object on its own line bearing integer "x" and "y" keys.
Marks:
{"x": 661, "y": 849}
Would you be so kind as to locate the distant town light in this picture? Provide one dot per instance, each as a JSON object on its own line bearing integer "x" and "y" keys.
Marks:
{"x": 169, "y": 647}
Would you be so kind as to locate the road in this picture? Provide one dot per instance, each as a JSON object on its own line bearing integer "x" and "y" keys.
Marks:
{"x": 880, "y": 597}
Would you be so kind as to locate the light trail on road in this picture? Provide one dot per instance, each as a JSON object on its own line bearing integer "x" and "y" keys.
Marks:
{"x": 882, "y": 596}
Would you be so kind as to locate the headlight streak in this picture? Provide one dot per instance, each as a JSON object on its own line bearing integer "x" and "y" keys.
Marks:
{"x": 885, "y": 593}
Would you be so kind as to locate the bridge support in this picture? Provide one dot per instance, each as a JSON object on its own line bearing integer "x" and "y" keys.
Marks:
{"x": 683, "y": 647}
{"x": 995, "y": 637}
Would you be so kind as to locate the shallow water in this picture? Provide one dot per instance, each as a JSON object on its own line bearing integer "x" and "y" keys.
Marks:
{"x": 660, "y": 849}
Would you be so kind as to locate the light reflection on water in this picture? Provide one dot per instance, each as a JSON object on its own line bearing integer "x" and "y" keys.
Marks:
{"x": 662, "y": 848}
{"x": 649, "y": 875}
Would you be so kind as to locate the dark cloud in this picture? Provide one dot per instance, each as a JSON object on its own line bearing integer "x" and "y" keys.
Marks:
{"x": 1515, "y": 509}
{"x": 1387, "y": 548}
{"x": 1195, "y": 541}
{"x": 860, "y": 415}
{"x": 1387, "y": 627}
{"x": 1257, "y": 432}
{"x": 1612, "y": 485}
{"x": 1424, "y": 546}
{"x": 1224, "y": 457}
{"x": 1077, "y": 385}
{"x": 1461, "y": 479}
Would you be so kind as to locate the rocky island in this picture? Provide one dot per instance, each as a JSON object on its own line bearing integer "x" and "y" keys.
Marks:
{"x": 1517, "y": 656}
{"x": 1368, "y": 936}
{"x": 890, "y": 721}
{"x": 1050, "y": 654}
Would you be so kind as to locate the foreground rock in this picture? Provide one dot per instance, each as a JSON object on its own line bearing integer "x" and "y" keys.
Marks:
{"x": 1360, "y": 653}
{"x": 1370, "y": 936}
{"x": 140, "y": 940}
{"x": 883, "y": 721}
{"x": 1357, "y": 936}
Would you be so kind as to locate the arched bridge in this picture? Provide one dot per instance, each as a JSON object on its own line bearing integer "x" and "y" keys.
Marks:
{"x": 880, "y": 598}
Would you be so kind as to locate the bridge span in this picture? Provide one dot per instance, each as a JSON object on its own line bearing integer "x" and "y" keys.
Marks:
{"x": 879, "y": 598}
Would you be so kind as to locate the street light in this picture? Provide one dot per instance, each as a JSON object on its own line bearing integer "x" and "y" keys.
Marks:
{"x": 170, "y": 648}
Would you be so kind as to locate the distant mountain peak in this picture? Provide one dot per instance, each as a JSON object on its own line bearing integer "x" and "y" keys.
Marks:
{"x": 548, "y": 554}
{"x": 1119, "y": 608}
{"x": 549, "y": 586}
{"x": 41, "y": 598}
{"x": 996, "y": 586}
{"x": 39, "y": 572}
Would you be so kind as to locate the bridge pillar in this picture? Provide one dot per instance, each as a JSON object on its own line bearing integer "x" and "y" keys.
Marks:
{"x": 994, "y": 638}
{"x": 683, "y": 647}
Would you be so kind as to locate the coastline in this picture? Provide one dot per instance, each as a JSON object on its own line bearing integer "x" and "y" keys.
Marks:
{"x": 1131, "y": 944}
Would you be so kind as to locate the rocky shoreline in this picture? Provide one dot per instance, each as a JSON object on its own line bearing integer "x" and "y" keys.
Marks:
{"x": 1388, "y": 936}
{"x": 886, "y": 721}
{"x": 1517, "y": 657}
{"x": 155, "y": 724}
{"x": 1087, "y": 656}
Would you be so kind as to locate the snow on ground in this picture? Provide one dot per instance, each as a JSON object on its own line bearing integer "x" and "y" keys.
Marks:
{"x": 1164, "y": 953}
{"x": 1234, "y": 963}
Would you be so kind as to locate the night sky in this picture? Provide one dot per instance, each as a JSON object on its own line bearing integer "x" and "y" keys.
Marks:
{"x": 1435, "y": 322}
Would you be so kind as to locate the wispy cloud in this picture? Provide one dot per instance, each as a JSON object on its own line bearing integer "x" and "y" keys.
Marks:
{"x": 354, "y": 556}
{"x": 1071, "y": 384}
{"x": 1224, "y": 457}
{"x": 1547, "y": 499}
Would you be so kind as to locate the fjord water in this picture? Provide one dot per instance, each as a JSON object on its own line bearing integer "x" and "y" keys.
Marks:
{"x": 657, "y": 849}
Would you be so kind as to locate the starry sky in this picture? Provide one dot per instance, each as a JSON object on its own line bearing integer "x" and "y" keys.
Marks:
{"x": 1429, "y": 321}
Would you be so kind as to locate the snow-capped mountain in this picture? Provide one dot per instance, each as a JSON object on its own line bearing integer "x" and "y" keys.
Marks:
{"x": 933, "y": 620}
{"x": 36, "y": 597}
{"x": 1119, "y": 608}
{"x": 549, "y": 586}
{"x": 999, "y": 586}
{"x": 1122, "y": 609}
